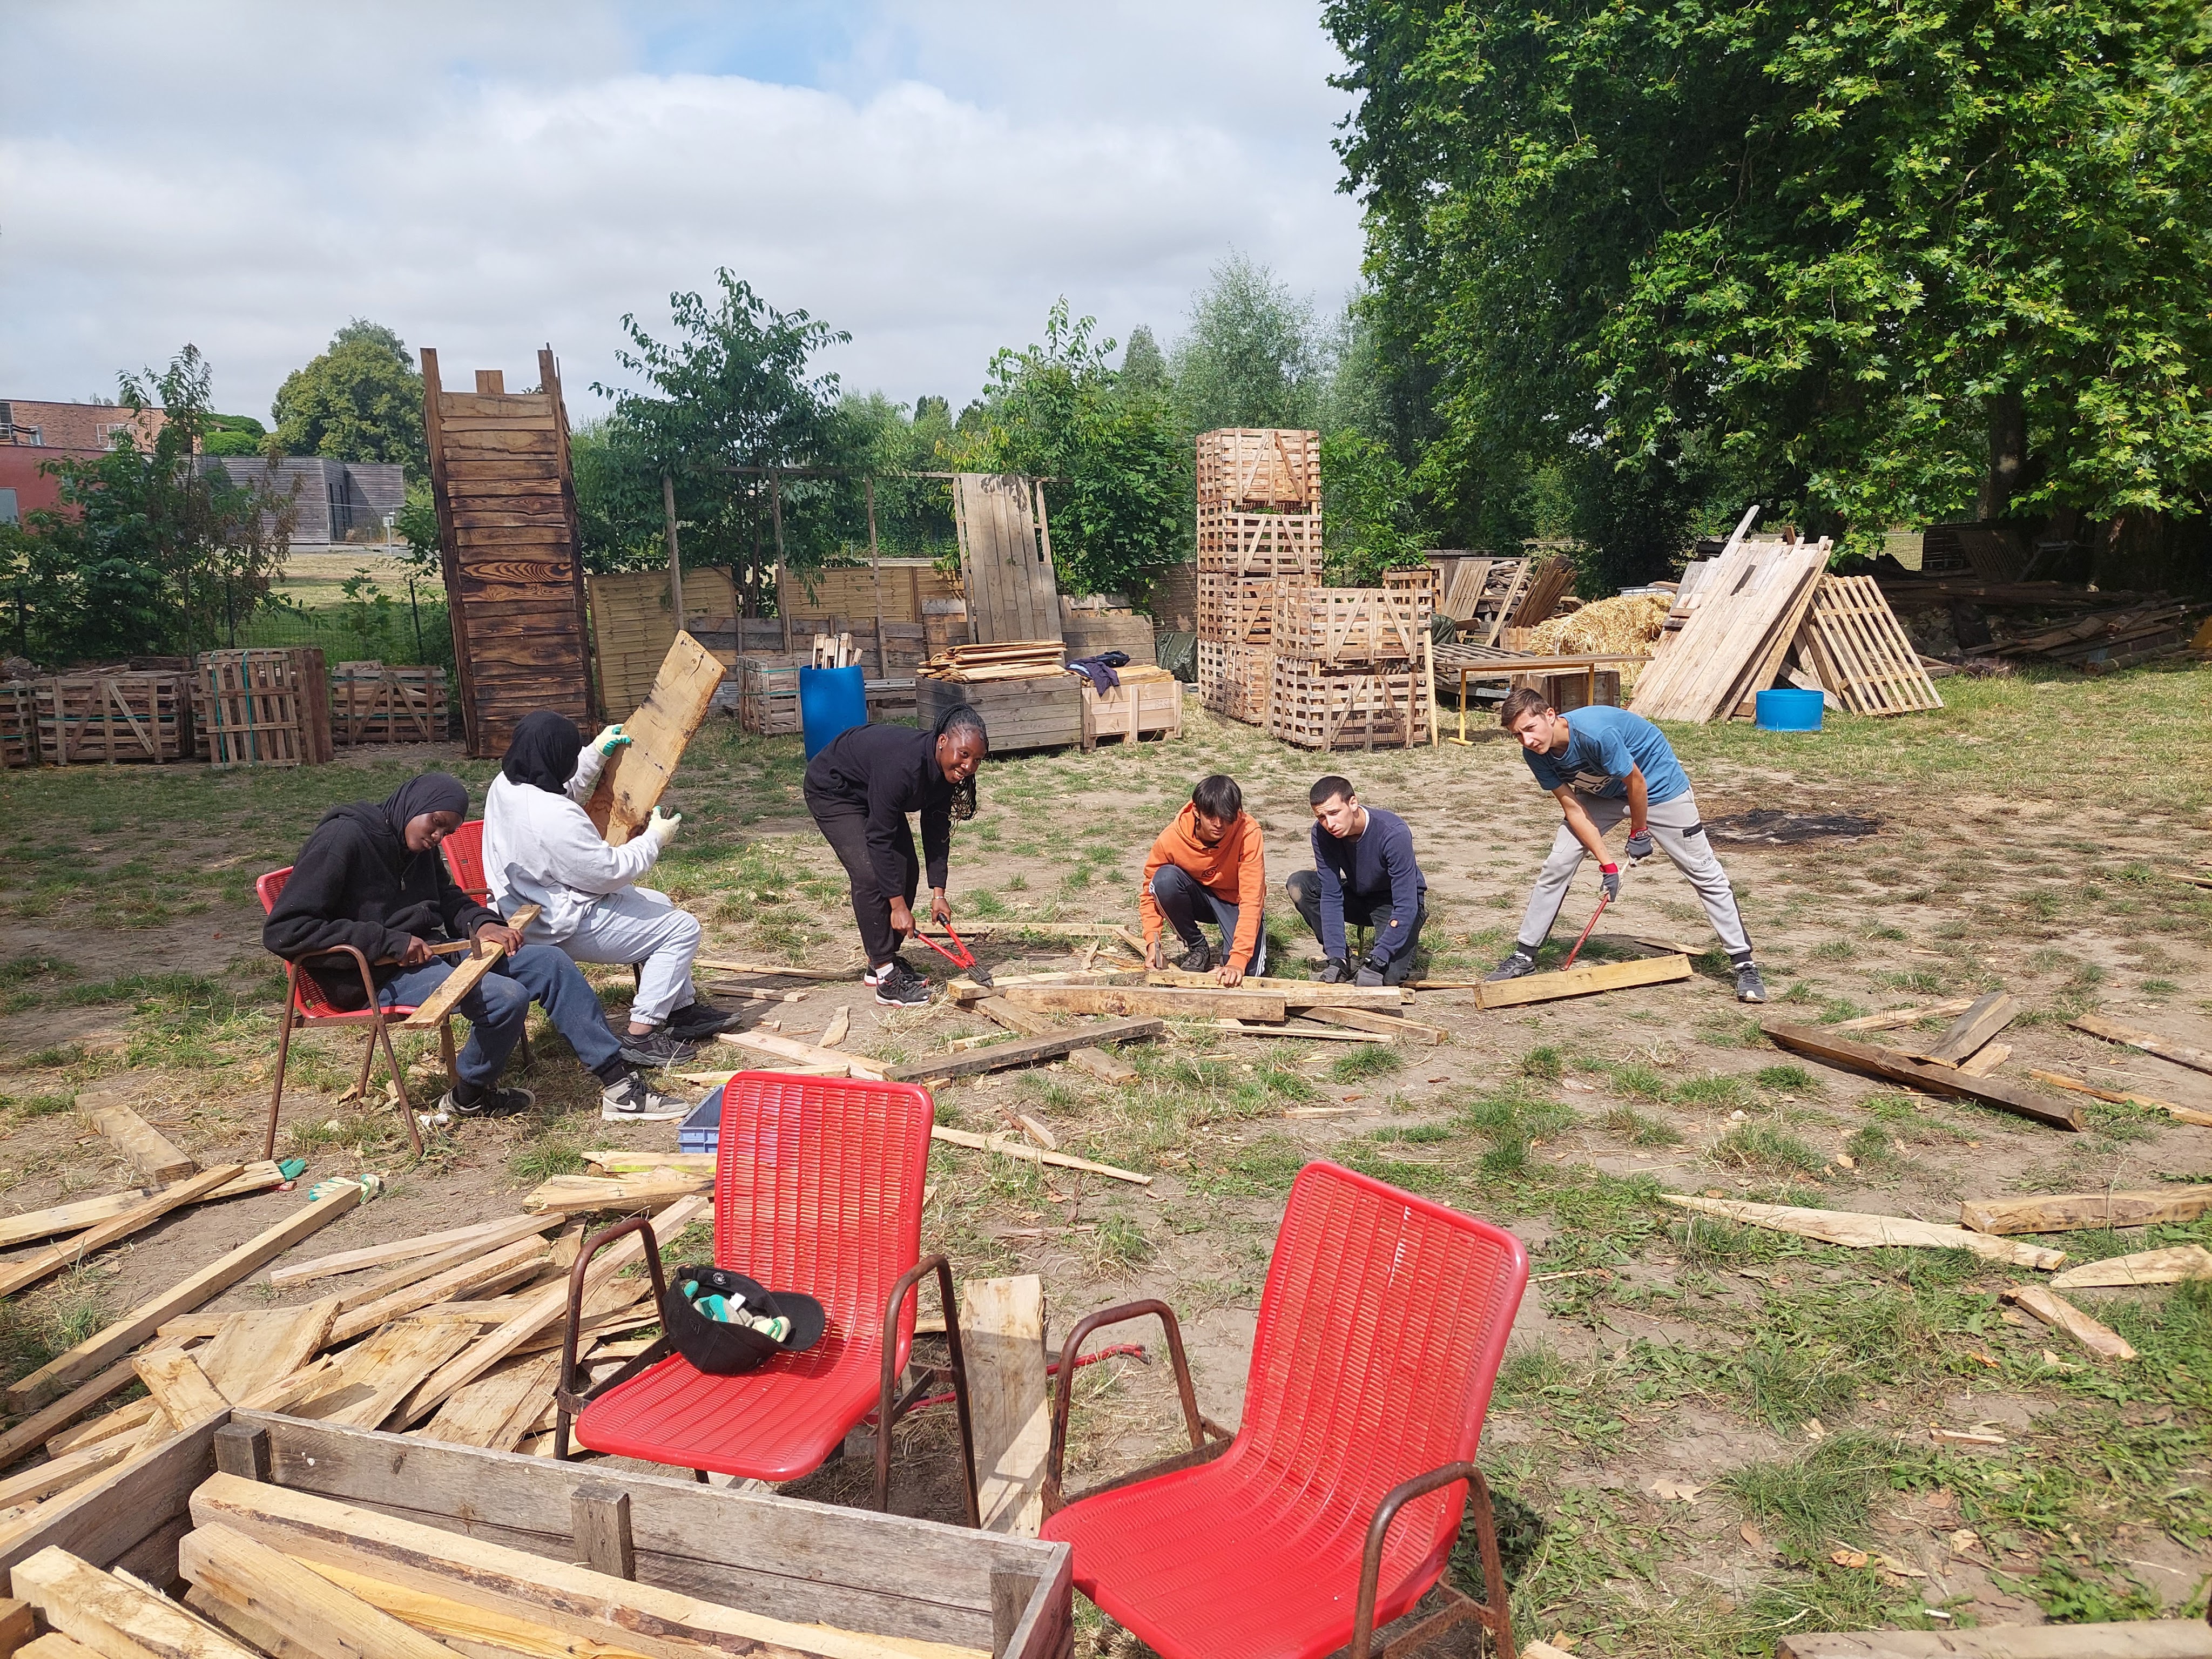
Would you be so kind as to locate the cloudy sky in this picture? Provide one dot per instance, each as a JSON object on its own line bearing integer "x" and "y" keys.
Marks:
{"x": 484, "y": 178}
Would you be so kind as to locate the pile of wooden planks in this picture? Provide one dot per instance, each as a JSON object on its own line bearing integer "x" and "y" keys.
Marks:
{"x": 1483, "y": 595}
{"x": 1740, "y": 620}
{"x": 2115, "y": 637}
{"x": 1010, "y": 660}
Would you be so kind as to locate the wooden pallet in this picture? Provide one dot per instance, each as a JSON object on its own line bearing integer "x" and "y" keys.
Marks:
{"x": 1266, "y": 467}
{"x": 1312, "y": 706}
{"x": 1213, "y": 675}
{"x": 112, "y": 717}
{"x": 1248, "y": 672}
{"x": 1259, "y": 544}
{"x": 380, "y": 702}
{"x": 1240, "y": 609}
{"x": 1347, "y": 625}
{"x": 1732, "y": 646}
{"x": 18, "y": 724}
{"x": 1855, "y": 645}
{"x": 251, "y": 709}
{"x": 768, "y": 695}
{"x": 1148, "y": 702}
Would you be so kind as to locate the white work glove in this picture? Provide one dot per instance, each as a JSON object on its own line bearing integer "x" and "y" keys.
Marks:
{"x": 660, "y": 828}
{"x": 608, "y": 740}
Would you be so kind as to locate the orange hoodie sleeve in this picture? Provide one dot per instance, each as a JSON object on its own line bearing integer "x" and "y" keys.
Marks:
{"x": 1147, "y": 907}
{"x": 1251, "y": 890}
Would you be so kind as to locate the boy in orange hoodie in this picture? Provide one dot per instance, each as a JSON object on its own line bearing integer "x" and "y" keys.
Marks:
{"x": 1209, "y": 864}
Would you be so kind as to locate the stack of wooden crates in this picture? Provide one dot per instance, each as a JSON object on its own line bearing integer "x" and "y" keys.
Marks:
{"x": 1351, "y": 666}
{"x": 1259, "y": 533}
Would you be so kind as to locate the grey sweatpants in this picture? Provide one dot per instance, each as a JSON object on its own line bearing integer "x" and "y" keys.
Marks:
{"x": 1677, "y": 831}
{"x": 639, "y": 929}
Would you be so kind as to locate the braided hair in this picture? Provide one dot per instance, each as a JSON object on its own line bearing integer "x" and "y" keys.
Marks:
{"x": 960, "y": 718}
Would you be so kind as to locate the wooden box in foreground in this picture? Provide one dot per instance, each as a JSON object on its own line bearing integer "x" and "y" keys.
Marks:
{"x": 1041, "y": 711}
{"x": 855, "y": 1571}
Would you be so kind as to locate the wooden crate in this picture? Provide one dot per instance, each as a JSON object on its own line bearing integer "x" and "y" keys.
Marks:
{"x": 1263, "y": 467}
{"x": 884, "y": 1576}
{"x": 380, "y": 702}
{"x": 1240, "y": 609}
{"x": 262, "y": 709}
{"x": 1567, "y": 690}
{"x": 1247, "y": 671}
{"x": 1145, "y": 703}
{"x": 1347, "y": 625}
{"x": 768, "y": 695}
{"x": 1317, "y": 707}
{"x": 110, "y": 716}
{"x": 1042, "y": 711}
{"x": 1259, "y": 544}
{"x": 1094, "y": 636}
{"x": 18, "y": 724}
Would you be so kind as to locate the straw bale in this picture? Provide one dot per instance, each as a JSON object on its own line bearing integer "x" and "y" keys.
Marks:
{"x": 1608, "y": 626}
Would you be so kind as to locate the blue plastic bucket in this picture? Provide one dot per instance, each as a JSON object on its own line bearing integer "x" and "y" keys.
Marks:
{"x": 1787, "y": 710}
{"x": 831, "y": 700}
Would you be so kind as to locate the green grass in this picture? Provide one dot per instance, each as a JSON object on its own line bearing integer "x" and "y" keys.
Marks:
{"x": 1366, "y": 1060}
{"x": 1638, "y": 1130}
{"x": 1761, "y": 1149}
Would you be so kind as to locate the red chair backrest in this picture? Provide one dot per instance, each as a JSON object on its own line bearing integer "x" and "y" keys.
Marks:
{"x": 306, "y": 995}
{"x": 817, "y": 1187}
{"x": 1381, "y": 1330}
{"x": 464, "y": 851}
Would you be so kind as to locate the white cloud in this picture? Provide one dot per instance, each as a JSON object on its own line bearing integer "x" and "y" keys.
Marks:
{"x": 484, "y": 179}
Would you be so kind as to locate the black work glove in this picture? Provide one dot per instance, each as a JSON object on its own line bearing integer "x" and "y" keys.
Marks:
{"x": 1334, "y": 971}
{"x": 1609, "y": 878}
{"x": 1368, "y": 975}
{"x": 1639, "y": 846}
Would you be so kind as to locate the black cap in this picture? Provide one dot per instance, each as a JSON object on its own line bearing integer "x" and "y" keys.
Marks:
{"x": 731, "y": 1349}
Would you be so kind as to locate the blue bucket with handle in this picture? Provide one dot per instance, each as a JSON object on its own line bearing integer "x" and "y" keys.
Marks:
{"x": 831, "y": 700}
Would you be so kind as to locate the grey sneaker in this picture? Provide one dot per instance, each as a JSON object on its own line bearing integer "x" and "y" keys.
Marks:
{"x": 654, "y": 1049}
{"x": 491, "y": 1103}
{"x": 631, "y": 1101}
{"x": 699, "y": 1022}
{"x": 1749, "y": 987}
{"x": 898, "y": 986}
{"x": 1514, "y": 967}
{"x": 1197, "y": 959}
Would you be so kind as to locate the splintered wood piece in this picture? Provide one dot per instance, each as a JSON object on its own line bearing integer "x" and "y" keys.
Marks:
{"x": 1365, "y": 1019}
{"x": 253, "y": 1350}
{"x": 2181, "y": 1054}
{"x": 1895, "y": 1018}
{"x": 1983, "y": 1020}
{"x": 113, "y": 1619}
{"x": 139, "y": 1142}
{"x": 1584, "y": 981}
{"x": 1002, "y": 1332}
{"x": 179, "y": 1387}
{"x": 2167, "y": 1266}
{"x": 1856, "y": 1232}
{"x": 365, "y": 1385}
{"x": 311, "y": 1610}
{"x": 507, "y": 1265}
{"x": 2059, "y": 1314}
{"x": 1298, "y": 993}
{"x": 60, "y": 1474}
{"x": 635, "y": 779}
{"x": 1107, "y": 1068}
{"x": 1985, "y": 1059}
{"x": 375, "y": 1255}
{"x": 1173, "y": 1002}
{"x": 1026, "y": 1053}
{"x": 833, "y": 1032}
{"x": 70, "y": 1251}
{"x": 1894, "y": 1068}
{"x": 2059, "y": 1213}
{"x": 63, "y": 1372}
{"x": 508, "y": 1232}
{"x": 566, "y": 1195}
{"x": 1009, "y": 1147}
{"x": 574, "y": 1600}
{"x": 496, "y": 1410}
{"x": 2123, "y": 1097}
{"x": 55, "y": 1645}
{"x": 432, "y": 1011}
{"x": 123, "y": 1420}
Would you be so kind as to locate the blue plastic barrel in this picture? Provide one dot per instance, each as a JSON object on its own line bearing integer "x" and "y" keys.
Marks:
{"x": 830, "y": 700}
{"x": 1786, "y": 710}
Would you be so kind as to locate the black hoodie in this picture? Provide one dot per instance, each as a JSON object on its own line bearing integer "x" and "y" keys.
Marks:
{"x": 357, "y": 884}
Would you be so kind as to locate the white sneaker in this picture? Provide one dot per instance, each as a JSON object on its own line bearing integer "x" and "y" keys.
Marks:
{"x": 633, "y": 1101}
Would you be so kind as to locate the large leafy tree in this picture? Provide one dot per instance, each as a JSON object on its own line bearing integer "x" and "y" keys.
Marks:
{"x": 360, "y": 400}
{"x": 1252, "y": 356}
{"x": 1871, "y": 262}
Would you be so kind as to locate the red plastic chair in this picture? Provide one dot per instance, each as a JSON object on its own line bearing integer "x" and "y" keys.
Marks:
{"x": 306, "y": 1004}
{"x": 1330, "y": 1512}
{"x": 464, "y": 851}
{"x": 817, "y": 1187}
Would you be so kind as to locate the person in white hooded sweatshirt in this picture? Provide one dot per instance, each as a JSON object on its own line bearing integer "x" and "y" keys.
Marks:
{"x": 541, "y": 848}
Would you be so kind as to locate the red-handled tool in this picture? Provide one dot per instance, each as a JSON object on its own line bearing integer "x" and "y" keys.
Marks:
{"x": 1603, "y": 899}
{"x": 965, "y": 961}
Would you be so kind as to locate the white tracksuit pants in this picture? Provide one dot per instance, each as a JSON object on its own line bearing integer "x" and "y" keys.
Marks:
{"x": 638, "y": 927}
{"x": 1677, "y": 831}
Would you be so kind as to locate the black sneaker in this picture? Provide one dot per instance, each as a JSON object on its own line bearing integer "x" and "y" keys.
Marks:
{"x": 898, "y": 986}
{"x": 632, "y": 1101}
{"x": 488, "y": 1103}
{"x": 1514, "y": 967}
{"x": 1197, "y": 959}
{"x": 699, "y": 1021}
{"x": 654, "y": 1049}
{"x": 1749, "y": 987}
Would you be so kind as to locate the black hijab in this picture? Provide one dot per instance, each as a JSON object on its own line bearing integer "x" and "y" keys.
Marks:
{"x": 433, "y": 791}
{"x": 542, "y": 752}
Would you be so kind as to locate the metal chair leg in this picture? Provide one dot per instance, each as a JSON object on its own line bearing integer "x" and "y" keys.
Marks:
{"x": 382, "y": 1032}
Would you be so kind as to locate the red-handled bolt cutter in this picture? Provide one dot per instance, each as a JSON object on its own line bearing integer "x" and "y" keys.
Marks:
{"x": 965, "y": 961}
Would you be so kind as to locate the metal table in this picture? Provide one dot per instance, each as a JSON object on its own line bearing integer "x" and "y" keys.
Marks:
{"x": 1484, "y": 662}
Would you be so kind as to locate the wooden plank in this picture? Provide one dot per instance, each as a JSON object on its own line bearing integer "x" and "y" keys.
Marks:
{"x": 106, "y": 1519}
{"x": 1586, "y": 980}
{"x": 1107, "y": 1068}
{"x": 498, "y": 1409}
{"x": 493, "y": 1238}
{"x": 367, "y": 1383}
{"x": 2170, "y": 1266}
{"x": 965, "y": 991}
{"x": 635, "y": 779}
{"x": 2181, "y": 1054}
{"x": 1894, "y": 1067}
{"x": 1983, "y": 1020}
{"x": 65, "y": 1371}
{"x": 375, "y": 1255}
{"x": 139, "y": 1142}
{"x": 483, "y": 1275}
{"x": 70, "y": 1251}
{"x": 254, "y": 1350}
{"x": 60, "y": 1474}
{"x": 1026, "y": 1053}
{"x": 51, "y": 1422}
{"x": 308, "y": 1607}
{"x": 1986, "y": 1058}
{"x": 431, "y": 1013}
{"x": 1009, "y": 1147}
{"x": 2059, "y": 1213}
{"x": 179, "y": 1387}
{"x": 1294, "y": 993}
{"x": 805, "y": 1055}
{"x": 114, "y": 1619}
{"x": 773, "y": 970}
{"x": 1170, "y": 1002}
{"x": 2056, "y": 1311}
{"x": 2164, "y": 1638}
{"x": 1002, "y": 1332}
{"x": 54, "y": 1645}
{"x": 659, "y": 1622}
{"x": 2124, "y": 1097}
{"x": 566, "y": 1195}
{"x": 16, "y": 1627}
{"x": 1366, "y": 1020}
{"x": 1856, "y": 1232}
{"x": 1296, "y": 1028}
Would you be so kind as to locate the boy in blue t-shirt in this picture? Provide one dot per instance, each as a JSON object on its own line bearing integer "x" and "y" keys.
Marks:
{"x": 1602, "y": 765}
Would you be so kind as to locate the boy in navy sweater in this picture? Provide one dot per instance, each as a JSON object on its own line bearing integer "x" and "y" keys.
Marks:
{"x": 1363, "y": 875}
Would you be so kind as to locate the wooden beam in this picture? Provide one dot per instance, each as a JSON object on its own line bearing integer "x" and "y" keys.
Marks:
{"x": 635, "y": 779}
{"x": 1128, "y": 1002}
{"x": 1856, "y": 1232}
{"x": 2124, "y": 1097}
{"x": 772, "y": 969}
{"x": 2181, "y": 1054}
{"x": 1026, "y": 1053}
{"x": 1887, "y": 1064}
{"x": 483, "y": 1275}
{"x": 509, "y": 1229}
{"x": 311, "y": 1610}
{"x": 2161, "y": 1638}
{"x": 156, "y": 1156}
{"x": 179, "y": 1387}
{"x": 112, "y": 1618}
{"x": 2170, "y": 1266}
{"x": 806, "y": 1053}
{"x": 375, "y": 1255}
{"x": 59, "y": 1375}
{"x": 966, "y": 990}
{"x": 1896, "y": 1018}
{"x": 577, "y": 1194}
{"x": 1365, "y": 1019}
{"x": 16, "y": 1627}
{"x": 1585, "y": 981}
{"x": 1298, "y": 993}
{"x": 430, "y": 1014}
{"x": 1981, "y": 1021}
{"x": 601, "y": 1528}
{"x": 1007, "y": 1146}
{"x": 1002, "y": 1332}
{"x": 2056, "y": 1311}
{"x": 477, "y": 1632}
{"x": 1107, "y": 1068}
{"x": 2061, "y": 1213}
{"x": 70, "y": 1251}
{"x": 1295, "y": 1028}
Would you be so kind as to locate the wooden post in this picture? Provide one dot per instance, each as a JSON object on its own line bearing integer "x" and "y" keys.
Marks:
{"x": 448, "y": 546}
{"x": 675, "y": 559}
{"x": 875, "y": 566}
{"x": 600, "y": 1527}
{"x": 775, "y": 518}
{"x": 242, "y": 1451}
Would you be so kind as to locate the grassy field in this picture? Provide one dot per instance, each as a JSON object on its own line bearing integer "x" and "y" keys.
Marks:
{"x": 1703, "y": 1435}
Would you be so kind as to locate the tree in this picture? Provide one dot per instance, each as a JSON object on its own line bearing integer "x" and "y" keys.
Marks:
{"x": 1864, "y": 261}
{"x": 232, "y": 434}
{"x": 360, "y": 400}
{"x": 1251, "y": 357}
{"x": 1370, "y": 522}
{"x": 1144, "y": 367}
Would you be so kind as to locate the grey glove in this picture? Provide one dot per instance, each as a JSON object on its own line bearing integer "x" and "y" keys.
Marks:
{"x": 1334, "y": 971}
{"x": 1609, "y": 878}
{"x": 1367, "y": 975}
{"x": 1639, "y": 846}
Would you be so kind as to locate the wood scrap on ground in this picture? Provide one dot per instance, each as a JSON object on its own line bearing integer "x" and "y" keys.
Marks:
{"x": 577, "y": 1194}
{"x": 965, "y": 991}
{"x": 2170, "y": 1266}
{"x": 2059, "y": 1213}
{"x": 1170, "y": 1002}
{"x": 1985, "y": 1059}
{"x": 70, "y": 1251}
{"x": 1027, "y": 1052}
{"x": 1295, "y": 1028}
{"x": 2181, "y": 1054}
{"x": 136, "y": 1141}
{"x": 1895, "y": 1018}
{"x": 2124, "y": 1097}
{"x": 773, "y": 970}
{"x": 81, "y": 1213}
{"x": 1816, "y": 1043}
{"x": 375, "y": 1255}
{"x": 2056, "y": 1311}
{"x": 792, "y": 1055}
{"x": 1008, "y": 1147}
{"x": 1107, "y": 1068}
{"x": 2161, "y": 1638}
{"x": 1586, "y": 980}
{"x": 1856, "y": 1232}
{"x": 1298, "y": 993}
{"x": 1366, "y": 1020}
{"x": 1981, "y": 1021}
